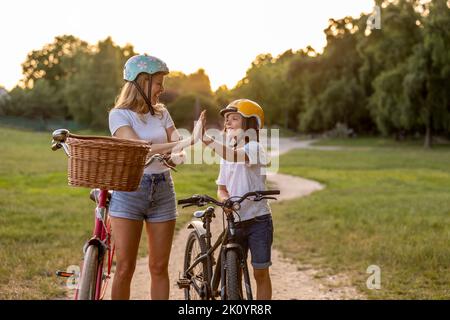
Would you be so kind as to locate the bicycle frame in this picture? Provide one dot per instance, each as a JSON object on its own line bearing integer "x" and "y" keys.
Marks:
{"x": 226, "y": 242}
{"x": 102, "y": 238}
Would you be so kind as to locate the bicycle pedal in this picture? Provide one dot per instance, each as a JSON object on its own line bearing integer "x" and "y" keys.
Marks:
{"x": 64, "y": 274}
{"x": 183, "y": 283}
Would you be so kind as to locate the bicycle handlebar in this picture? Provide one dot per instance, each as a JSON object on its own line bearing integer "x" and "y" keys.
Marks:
{"x": 201, "y": 200}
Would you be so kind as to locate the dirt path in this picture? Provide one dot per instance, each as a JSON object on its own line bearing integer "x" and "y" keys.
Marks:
{"x": 289, "y": 280}
{"x": 287, "y": 144}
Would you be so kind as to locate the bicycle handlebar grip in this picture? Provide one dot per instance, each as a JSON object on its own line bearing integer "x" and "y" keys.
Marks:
{"x": 268, "y": 192}
{"x": 185, "y": 201}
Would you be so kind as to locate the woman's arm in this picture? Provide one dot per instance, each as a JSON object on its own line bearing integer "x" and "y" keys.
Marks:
{"x": 172, "y": 134}
{"x": 175, "y": 158}
{"x": 174, "y": 142}
{"x": 126, "y": 132}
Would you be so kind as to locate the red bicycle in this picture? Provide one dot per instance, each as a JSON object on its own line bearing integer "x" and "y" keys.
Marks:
{"x": 95, "y": 271}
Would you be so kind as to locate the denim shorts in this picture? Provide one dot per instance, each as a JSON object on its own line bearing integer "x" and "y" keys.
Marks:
{"x": 257, "y": 235}
{"x": 153, "y": 201}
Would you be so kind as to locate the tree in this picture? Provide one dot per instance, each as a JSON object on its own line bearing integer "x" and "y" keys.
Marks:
{"x": 384, "y": 54}
{"x": 266, "y": 83}
{"x": 41, "y": 102}
{"x": 305, "y": 84}
{"x": 5, "y": 101}
{"x": 387, "y": 103}
{"x": 426, "y": 84}
{"x": 53, "y": 62}
{"x": 90, "y": 93}
{"x": 184, "y": 110}
{"x": 198, "y": 82}
{"x": 331, "y": 89}
{"x": 173, "y": 86}
{"x": 178, "y": 85}
{"x": 223, "y": 96}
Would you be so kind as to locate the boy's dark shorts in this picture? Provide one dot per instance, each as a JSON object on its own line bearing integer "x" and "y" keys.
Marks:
{"x": 257, "y": 235}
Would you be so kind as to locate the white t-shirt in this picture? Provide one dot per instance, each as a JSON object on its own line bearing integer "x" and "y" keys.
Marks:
{"x": 152, "y": 130}
{"x": 240, "y": 178}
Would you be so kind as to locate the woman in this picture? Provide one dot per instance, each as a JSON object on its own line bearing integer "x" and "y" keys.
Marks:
{"x": 138, "y": 115}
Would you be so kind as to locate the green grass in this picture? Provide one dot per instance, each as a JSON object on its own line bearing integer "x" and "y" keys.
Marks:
{"x": 383, "y": 205}
{"x": 368, "y": 141}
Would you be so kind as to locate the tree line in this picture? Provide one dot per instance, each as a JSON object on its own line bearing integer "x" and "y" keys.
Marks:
{"x": 392, "y": 81}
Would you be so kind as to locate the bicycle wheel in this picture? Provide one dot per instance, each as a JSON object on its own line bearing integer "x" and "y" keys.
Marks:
{"x": 232, "y": 278}
{"x": 199, "y": 274}
{"x": 86, "y": 290}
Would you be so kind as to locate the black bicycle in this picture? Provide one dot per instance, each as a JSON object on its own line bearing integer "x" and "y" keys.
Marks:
{"x": 198, "y": 279}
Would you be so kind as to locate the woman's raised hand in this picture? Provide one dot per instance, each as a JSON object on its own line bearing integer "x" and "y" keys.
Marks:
{"x": 197, "y": 134}
{"x": 199, "y": 128}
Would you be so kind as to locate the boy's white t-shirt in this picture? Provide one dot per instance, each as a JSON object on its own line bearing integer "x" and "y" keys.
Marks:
{"x": 240, "y": 178}
{"x": 153, "y": 129}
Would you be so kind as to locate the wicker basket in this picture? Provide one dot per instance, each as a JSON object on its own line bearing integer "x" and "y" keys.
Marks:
{"x": 106, "y": 162}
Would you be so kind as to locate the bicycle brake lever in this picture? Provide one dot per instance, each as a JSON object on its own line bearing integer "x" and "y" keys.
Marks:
{"x": 169, "y": 166}
{"x": 58, "y": 145}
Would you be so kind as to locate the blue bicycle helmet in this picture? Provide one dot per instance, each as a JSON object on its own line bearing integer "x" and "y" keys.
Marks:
{"x": 143, "y": 63}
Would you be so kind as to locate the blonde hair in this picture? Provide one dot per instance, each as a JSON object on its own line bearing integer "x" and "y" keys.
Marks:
{"x": 130, "y": 98}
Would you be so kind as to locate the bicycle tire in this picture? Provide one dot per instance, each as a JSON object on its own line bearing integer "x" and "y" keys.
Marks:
{"x": 232, "y": 271}
{"x": 86, "y": 290}
{"x": 190, "y": 293}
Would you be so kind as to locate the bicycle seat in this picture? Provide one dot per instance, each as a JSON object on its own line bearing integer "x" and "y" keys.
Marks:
{"x": 93, "y": 195}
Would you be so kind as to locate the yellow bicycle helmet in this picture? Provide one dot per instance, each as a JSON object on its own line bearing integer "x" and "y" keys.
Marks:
{"x": 246, "y": 108}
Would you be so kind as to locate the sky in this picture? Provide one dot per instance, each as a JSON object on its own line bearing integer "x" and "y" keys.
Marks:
{"x": 222, "y": 37}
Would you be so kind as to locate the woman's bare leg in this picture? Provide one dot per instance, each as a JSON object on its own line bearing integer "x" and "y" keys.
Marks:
{"x": 160, "y": 236}
{"x": 126, "y": 235}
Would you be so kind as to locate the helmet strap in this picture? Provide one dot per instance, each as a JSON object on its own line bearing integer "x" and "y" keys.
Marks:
{"x": 144, "y": 96}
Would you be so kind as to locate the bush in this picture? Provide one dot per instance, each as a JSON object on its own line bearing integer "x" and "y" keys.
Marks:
{"x": 341, "y": 130}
